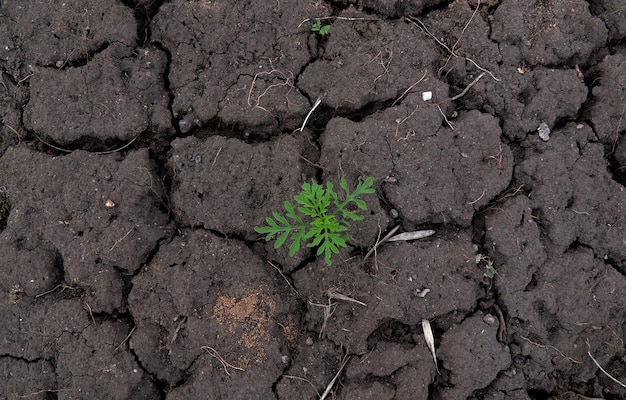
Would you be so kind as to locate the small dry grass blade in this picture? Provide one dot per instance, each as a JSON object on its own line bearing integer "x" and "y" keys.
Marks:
{"x": 332, "y": 382}
{"x": 327, "y": 310}
{"x": 338, "y": 296}
{"x": 430, "y": 341}
{"x": 381, "y": 241}
{"x": 600, "y": 366}
{"x": 411, "y": 235}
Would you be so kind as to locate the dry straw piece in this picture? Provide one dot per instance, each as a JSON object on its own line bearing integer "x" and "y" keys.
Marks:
{"x": 405, "y": 236}
{"x": 411, "y": 235}
{"x": 600, "y": 366}
{"x": 430, "y": 341}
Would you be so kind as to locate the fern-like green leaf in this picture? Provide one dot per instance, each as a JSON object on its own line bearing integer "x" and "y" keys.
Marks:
{"x": 306, "y": 199}
{"x": 328, "y": 248}
{"x": 360, "y": 204}
{"x": 295, "y": 244}
{"x": 281, "y": 239}
{"x": 346, "y": 214}
{"x": 312, "y": 223}
{"x": 280, "y": 219}
{"x": 344, "y": 185}
{"x": 291, "y": 213}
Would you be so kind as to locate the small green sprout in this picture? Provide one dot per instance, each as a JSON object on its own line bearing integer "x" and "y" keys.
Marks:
{"x": 490, "y": 270}
{"x": 323, "y": 30}
{"x": 321, "y": 220}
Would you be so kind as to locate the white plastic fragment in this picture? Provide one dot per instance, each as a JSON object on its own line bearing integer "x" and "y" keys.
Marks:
{"x": 411, "y": 235}
{"x": 423, "y": 293}
{"x": 430, "y": 341}
{"x": 544, "y": 131}
{"x": 426, "y": 96}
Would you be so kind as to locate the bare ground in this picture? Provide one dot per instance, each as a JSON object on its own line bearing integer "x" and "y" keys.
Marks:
{"x": 142, "y": 141}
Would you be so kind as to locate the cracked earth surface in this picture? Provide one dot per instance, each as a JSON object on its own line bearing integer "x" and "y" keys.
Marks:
{"x": 141, "y": 141}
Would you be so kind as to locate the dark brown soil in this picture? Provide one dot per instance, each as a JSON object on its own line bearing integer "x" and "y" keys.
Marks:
{"x": 142, "y": 141}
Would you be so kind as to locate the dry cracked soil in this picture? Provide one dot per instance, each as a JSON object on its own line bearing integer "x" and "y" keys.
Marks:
{"x": 143, "y": 140}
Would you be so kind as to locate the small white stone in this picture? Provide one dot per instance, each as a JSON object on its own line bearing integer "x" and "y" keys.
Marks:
{"x": 544, "y": 131}
{"x": 109, "y": 203}
{"x": 426, "y": 96}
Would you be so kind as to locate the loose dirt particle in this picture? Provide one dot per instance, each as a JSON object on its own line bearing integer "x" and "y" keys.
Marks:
{"x": 248, "y": 317}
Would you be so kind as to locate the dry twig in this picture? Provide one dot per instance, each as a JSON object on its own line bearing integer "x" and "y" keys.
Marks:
{"x": 284, "y": 277}
{"x": 458, "y": 96}
{"x": 92, "y": 152}
{"x": 548, "y": 346}
{"x": 122, "y": 238}
{"x": 599, "y": 366}
{"x": 444, "y": 117}
{"x": 299, "y": 378}
{"x": 126, "y": 339}
{"x": 335, "y": 295}
{"x": 306, "y": 119}
{"x": 381, "y": 241}
{"x": 288, "y": 81}
{"x": 332, "y": 382}
{"x": 408, "y": 89}
{"x": 339, "y": 18}
{"x": 225, "y": 364}
{"x": 328, "y": 310}
{"x": 62, "y": 286}
{"x": 452, "y": 51}
{"x": 91, "y": 314}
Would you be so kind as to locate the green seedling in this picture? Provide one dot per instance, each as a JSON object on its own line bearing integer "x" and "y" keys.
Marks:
{"x": 490, "y": 272}
{"x": 323, "y": 30}
{"x": 487, "y": 263}
{"x": 320, "y": 220}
